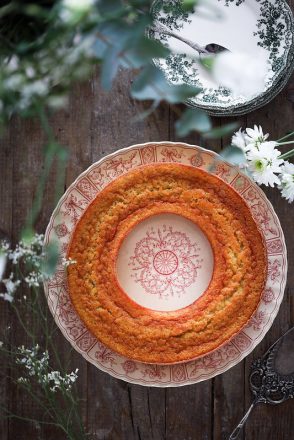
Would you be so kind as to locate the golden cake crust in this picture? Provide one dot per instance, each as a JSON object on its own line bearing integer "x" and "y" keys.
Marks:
{"x": 234, "y": 292}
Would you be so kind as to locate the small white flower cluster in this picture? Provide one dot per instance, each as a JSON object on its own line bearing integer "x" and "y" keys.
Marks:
{"x": 37, "y": 366}
{"x": 31, "y": 253}
{"x": 264, "y": 160}
{"x": 10, "y": 286}
{"x": 57, "y": 381}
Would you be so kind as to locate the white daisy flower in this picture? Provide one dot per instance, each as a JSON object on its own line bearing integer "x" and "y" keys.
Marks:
{"x": 264, "y": 164}
{"x": 238, "y": 140}
{"x": 287, "y": 181}
{"x": 254, "y": 136}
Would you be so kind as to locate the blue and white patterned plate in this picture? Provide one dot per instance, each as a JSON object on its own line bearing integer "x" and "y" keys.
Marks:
{"x": 259, "y": 28}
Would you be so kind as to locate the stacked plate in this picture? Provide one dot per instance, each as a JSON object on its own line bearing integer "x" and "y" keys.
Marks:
{"x": 261, "y": 29}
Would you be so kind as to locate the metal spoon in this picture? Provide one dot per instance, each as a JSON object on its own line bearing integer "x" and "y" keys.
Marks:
{"x": 272, "y": 376}
{"x": 211, "y": 48}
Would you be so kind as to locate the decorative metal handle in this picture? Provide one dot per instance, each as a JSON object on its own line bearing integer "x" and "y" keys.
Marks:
{"x": 238, "y": 428}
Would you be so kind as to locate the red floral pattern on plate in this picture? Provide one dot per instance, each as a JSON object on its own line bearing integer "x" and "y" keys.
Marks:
{"x": 171, "y": 155}
{"x": 165, "y": 262}
{"x": 70, "y": 209}
{"x": 268, "y": 295}
{"x": 274, "y": 247}
{"x": 129, "y": 366}
{"x": 148, "y": 155}
{"x": 223, "y": 171}
{"x": 61, "y": 230}
{"x": 119, "y": 165}
{"x": 104, "y": 355}
{"x": 262, "y": 214}
{"x": 274, "y": 268}
{"x": 257, "y": 320}
{"x": 196, "y": 160}
{"x": 74, "y": 207}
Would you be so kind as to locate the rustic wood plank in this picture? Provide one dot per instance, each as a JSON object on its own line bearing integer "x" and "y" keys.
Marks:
{"x": 72, "y": 129}
{"x": 6, "y": 190}
{"x": 26, "y": 142}
{"x": 117, "y": 410}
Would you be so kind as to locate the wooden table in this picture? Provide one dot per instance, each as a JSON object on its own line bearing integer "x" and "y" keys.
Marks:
{"x": 95, "y": 124}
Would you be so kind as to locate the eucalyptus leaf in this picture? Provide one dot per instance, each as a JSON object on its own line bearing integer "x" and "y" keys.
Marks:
{"x": 234, "y": 155}
{"x": 109, "y": 68}
{"x": 193, "y": 119}
{"x": 189, "y": 5}
{"x": 143, "y": 52}
{"x": 151, "y": 84}
{"x": 50, "y": 261}
{"x": 207, "y": 62}
{"x": 218, "y": 132}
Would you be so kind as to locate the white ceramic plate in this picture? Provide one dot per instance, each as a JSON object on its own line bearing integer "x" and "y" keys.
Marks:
{"x": 164, "y": 265}
{"x": 262, "y": 29}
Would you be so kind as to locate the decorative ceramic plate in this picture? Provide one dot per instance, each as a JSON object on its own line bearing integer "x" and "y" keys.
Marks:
{"x": 262, "y": 29}
{"x": 71, "y": 207}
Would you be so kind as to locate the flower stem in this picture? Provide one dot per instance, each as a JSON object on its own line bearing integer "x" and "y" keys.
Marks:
{"x": 287, "y": 155}
{"x": 286, "y": 137}
{"x": 285, "y": 143}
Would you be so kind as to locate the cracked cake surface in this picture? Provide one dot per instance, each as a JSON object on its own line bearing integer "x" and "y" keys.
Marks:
{"x": 232, "y": 296}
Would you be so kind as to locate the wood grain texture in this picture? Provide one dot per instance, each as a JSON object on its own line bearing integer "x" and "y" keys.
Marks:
{"x": 95, "y": 124}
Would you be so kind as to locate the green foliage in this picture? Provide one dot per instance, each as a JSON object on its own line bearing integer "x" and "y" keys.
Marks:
{"x": 193, "y": 119}
{"x": 234, "y": 155}
{"x": 151, "y": 84}
{"x": 51, "y": 257}
{"x": 49, "y": 44}
{"x": 225, "y": 130}
{"x": 189, "y": 5}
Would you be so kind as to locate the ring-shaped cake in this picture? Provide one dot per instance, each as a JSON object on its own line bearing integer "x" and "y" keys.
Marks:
{"x": 233, "y": 293}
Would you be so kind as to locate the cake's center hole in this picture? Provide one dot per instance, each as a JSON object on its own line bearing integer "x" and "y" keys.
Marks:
{"x": 165, "y": 262}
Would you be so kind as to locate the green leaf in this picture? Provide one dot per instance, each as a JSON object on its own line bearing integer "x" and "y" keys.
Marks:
{"x": 50, "y": 261}
{"x": 143, "y": 51}
{"x": 234, "y": 155}
{"x": 151, "y": 84}
{"x": 27, "y": 234}
{"x": 218, "y": 132}
{"x": 193, "y": 119}
{"x": 188, "y": 5}
{"x": 109, "y": 68}
{"x": 207, "y": 62}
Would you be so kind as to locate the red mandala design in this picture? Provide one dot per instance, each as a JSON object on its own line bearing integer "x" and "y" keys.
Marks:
{"x": 129, "y": 366}
{"x": 196, "y": 160}
{"x": 268, "y": 295}
{"x": 165, "y": 262}
{"x": 61, "y": 230}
